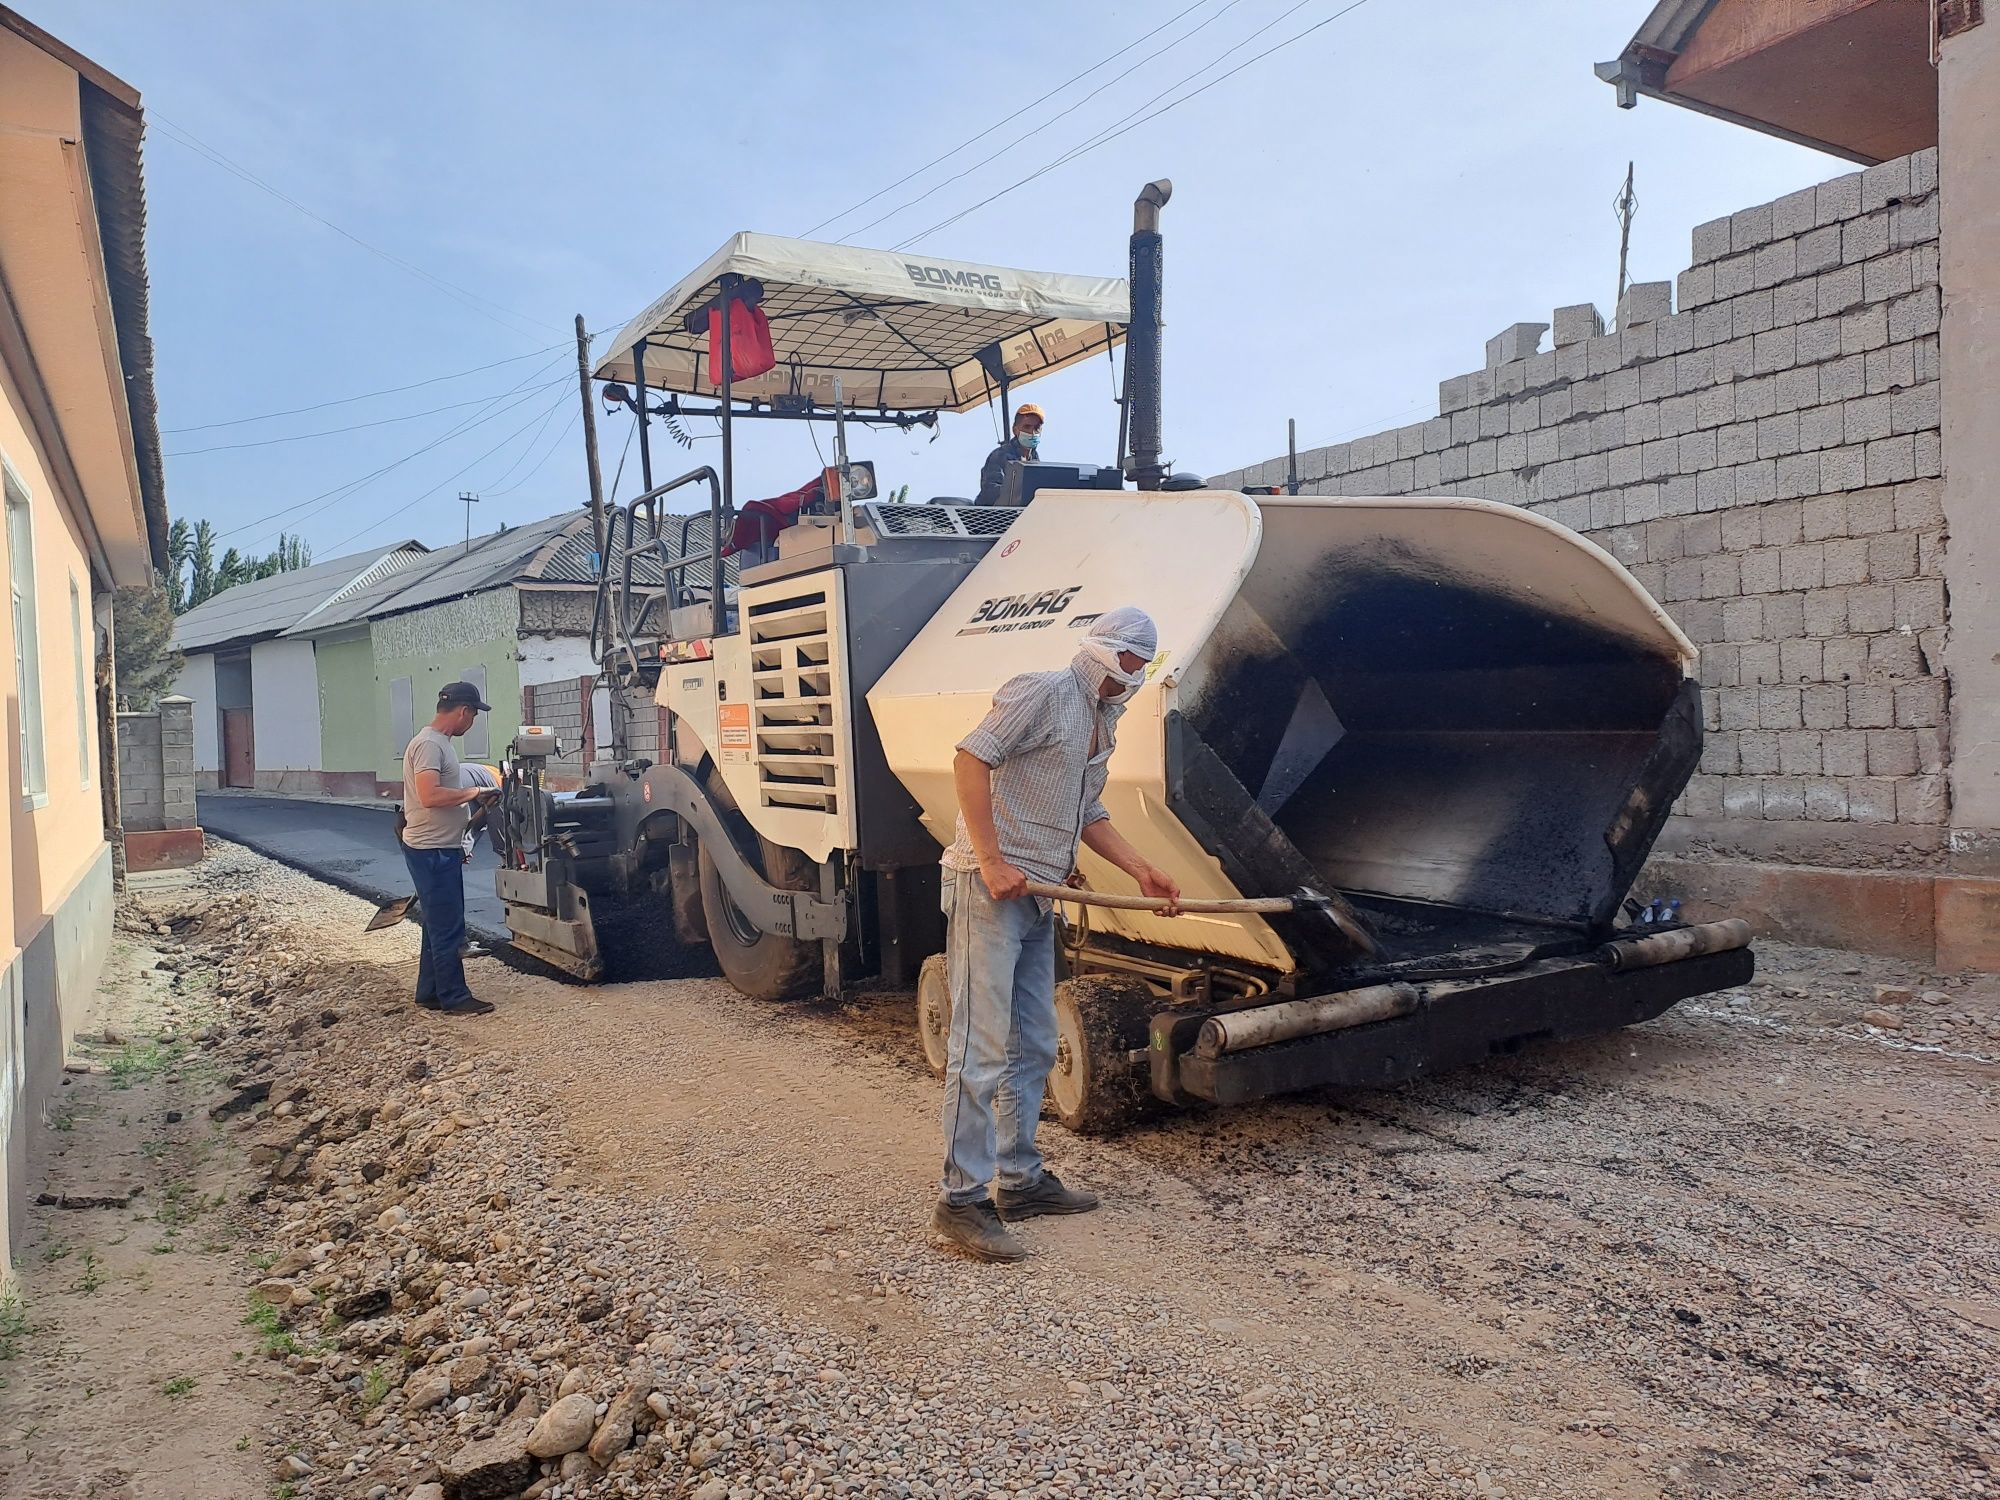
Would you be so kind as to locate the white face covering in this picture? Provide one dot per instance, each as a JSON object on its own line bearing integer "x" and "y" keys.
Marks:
{"x": 1103, "y": 655}
{"x": 1115, "y": 631}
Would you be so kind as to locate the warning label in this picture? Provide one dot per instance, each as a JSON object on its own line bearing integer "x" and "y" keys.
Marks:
{"x": 733, "y": 726}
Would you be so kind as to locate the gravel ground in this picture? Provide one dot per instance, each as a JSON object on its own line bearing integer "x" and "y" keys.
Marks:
{"x": 1746, "y": 1250}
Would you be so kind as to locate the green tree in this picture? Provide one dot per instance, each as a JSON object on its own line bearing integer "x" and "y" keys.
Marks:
{"x": 201, "y": 565}
{"x": 180, "y": 544}
{"x": 142, "y": 625}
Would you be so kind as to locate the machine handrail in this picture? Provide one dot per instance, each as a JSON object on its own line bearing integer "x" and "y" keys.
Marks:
{"x": 614, "y": 621}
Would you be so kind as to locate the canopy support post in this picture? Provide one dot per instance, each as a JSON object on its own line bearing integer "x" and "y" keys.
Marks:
{"x": 720, "y": 608}
{"x": 645, "y": 438}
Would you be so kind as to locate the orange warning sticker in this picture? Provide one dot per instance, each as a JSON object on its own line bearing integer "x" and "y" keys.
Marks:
{"x": 733, "y": 725}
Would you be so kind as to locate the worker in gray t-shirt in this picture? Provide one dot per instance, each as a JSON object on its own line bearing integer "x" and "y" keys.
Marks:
{"x": 435, "y": 804}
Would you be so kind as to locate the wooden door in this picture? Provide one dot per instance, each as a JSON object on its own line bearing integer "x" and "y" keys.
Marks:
{"x": 239, "y": 748}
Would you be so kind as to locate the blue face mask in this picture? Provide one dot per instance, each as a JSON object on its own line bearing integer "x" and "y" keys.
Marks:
{"x": 1032, "y": 441}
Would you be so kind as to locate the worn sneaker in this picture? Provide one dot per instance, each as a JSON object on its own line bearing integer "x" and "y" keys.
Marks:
{"x": 976, "y": 1229}
{"x": 1048, "y": 1196}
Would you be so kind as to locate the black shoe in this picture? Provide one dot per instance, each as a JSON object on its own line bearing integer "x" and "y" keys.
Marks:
{"x": 471, "y": 1005}
{"x": 1047, "y": 1196}
{"x": 976, "y": 1229}
{"x": 430, "y": 1003}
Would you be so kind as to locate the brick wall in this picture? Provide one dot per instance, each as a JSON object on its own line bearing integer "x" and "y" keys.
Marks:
{"x": 565, "y": 708}
{"x": 1765, "y": 459}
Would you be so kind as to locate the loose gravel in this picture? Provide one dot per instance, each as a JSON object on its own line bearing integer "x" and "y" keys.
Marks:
{"x": 1751, "y": 1249}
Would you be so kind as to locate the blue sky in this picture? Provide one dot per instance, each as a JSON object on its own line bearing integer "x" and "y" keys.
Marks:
{"x": 1353, "y": 216}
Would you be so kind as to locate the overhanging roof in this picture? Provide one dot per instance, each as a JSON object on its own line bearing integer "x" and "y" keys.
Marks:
{"x": 900, "y": 332}
{"x": 1849, "y": 77}
{"x": 269, "y": 606}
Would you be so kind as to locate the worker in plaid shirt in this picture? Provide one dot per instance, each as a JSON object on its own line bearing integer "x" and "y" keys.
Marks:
{"x": 1030, "y": 782}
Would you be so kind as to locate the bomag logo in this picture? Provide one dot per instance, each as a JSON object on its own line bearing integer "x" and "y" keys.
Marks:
{"x": 1021, "y": 611}
{"x": 967, "y": 281}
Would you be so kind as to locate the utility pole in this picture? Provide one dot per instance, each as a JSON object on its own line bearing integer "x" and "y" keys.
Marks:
{"x": 1624, "y": 205}
{"x": 470, "y": 500}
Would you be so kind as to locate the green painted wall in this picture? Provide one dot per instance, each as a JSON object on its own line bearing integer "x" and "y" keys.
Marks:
{"x": 441, "y": 644}
{"x": 351, "y": 726}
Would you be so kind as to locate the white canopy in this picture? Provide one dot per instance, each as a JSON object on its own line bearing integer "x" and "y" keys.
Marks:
{"x": 901, "y": 332}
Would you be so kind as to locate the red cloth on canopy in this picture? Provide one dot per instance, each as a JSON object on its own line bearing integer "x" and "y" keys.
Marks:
{"x": 750, "y": 351}
{"x": 762, "y": 520}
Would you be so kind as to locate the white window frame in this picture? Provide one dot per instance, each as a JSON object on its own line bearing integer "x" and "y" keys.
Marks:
{"x": 34, "y": 771}
{"x": 77, "y": 636}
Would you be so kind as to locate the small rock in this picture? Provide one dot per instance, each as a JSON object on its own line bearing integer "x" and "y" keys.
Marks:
{"x": 295, "y": 1467}
{"x": 576, "y": 1465}
{"x": 565, "y": 1427}
{"x": 660, "y": 1407}
{"x": 427, "y": 1492}
{"x": 468, "y": 1373}
{"x": 614, "y": 1433}
{"x": 366, "y": 1303}
{"x": 713, "y": 1489}
{"x": 1892, "y": 994}
{"x": 417, "y": 1069}
{"x": 1885, "y": 1020}
{"x": 426, "y": 1388}
{"x": 489, "y": 1469}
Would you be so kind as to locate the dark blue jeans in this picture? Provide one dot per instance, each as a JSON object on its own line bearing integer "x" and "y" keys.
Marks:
{"x": 439, "y": 876}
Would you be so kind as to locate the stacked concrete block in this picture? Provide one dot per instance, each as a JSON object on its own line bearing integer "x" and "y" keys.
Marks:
{"x": 1514, "y": 343}
{"x": 141, "y": 779}
{"x": 1766, "y": 460}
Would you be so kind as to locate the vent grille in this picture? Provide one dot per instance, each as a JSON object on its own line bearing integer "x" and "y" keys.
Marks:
{"x": 795, "y": 726}
{"x": 955, "y": 521}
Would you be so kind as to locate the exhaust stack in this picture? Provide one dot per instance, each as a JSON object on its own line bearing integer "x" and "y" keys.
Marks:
{"x": 1142, "y": 336}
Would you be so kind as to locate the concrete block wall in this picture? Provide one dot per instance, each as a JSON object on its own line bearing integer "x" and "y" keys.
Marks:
{"x": 156, "y": 778}
{"x": 564, "y": 707}
{"x": 1765, "y": 458}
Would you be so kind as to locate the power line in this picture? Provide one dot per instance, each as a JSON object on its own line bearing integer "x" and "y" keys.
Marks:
{"x": 1031, "y": 104}
{"x": 547, "y": 454}
{"x": 300, "y": 437}
{"x": 353, "y": 486}
{"x": 1061, "y": 114}
{"x": 393, "y": 390}
{"x": 1112, "y": 133}
{"x": 484, "y": 306}
{"x": 406, "y": 505}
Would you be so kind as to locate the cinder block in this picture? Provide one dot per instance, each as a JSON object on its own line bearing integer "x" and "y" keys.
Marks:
{"x": 1886, "y": 183}
{"x": 1674, "y": 335}
{"x": 1826, "y": 800}
{"x": 1844, "y": 752}
{"x": 1892, "y": 460}
{"x": 1920, "y": 604}
{"x": 1799, "y": 753}
{"x": 1736, "y": 443}
{"x": 1774, "y": 351}
{"x": 1924, "y": 170}
{"x": 1800, "y": 662}
{"x": 1919, "y": 504}
{"x": 1714, "y": 324}
{"x": 1887, "y": 276}
{"x": 1743, "y": 620}
{"x": 1696, "y": 286}
{"x": 1454, "y": 394}
{"x": 1795, "y": 302}
{"x": 1839, "y": 290}
{"x": 1711, "y": 241}
{"x": 1738, "y": 274}
{"x": 1750, "y": 227}
{"x": 1645, "y": 302}
{"x": 1914, "y": 316}
{"x": 1776, "y": 262}
{"x": 1864, "y": 238}
{"x": 1891, "y": 368}
{"x": 1794, "y": 213}
{"x": 1929, "y": 448}
{"x": 1871, "y": 512}
{"x": 1920, "y": 704}
{"x": 1515, "y": 342}
{"x": 1845, "y": 562}
{"x": 1803, "y": 566}
{"x": 1823, "y": 705}
{"x": 1870, "y": 608}
{"x": 1863, "y": 329}
{"x": 1818, "y": 340}
{"x": 1818, "y": 251}
{"x": 1795, "y": 388}
{"x": 1844, "y": 659}
{"x": 1895, "y": 656}
{"x": 1751, "y": 313}
{"x": 1842, "y": 379}
{"x": 1761, "y": 571}
{"x": 1733, "y": 360}
{"x": 1784, "y": 799}
{"x": 1923, "y": 800}
{"x": 1871, "y": 801}
{"x": 1640, "y": 342}
{"x": 1871, "y": 705}
{"x": 1837, "y": 199}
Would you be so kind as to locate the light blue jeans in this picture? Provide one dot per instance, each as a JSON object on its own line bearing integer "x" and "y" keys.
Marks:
{"x": 1001, "y": 959}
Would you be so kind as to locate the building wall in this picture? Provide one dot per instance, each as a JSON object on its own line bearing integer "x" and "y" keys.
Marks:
{"x": 443, "y": 643}
{"x": 197, "y": 683}
{"x": 1766, "y": 461}
{"x": 55, "y": 877}
{"x": 351, "y": 726}
{"x": 284, "y": 695}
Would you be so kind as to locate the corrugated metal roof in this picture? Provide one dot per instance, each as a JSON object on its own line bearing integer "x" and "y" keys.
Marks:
{"x": 267, "y": 606}
{"x": 493, "y": 560}
{"x": 574, "y": 560}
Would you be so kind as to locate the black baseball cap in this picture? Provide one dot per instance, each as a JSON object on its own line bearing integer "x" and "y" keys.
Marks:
{"x": 461, "y": 695}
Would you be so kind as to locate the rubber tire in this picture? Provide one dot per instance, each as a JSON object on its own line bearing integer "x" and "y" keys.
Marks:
{"x": 772, "y": 966}
{"x": 934, "y": 1013}
{"x": 1094, "y": 1088}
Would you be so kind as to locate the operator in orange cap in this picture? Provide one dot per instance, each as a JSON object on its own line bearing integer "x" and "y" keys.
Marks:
{"x": 1021, "y": 448}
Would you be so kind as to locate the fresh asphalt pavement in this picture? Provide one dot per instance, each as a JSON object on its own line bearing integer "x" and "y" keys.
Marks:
{"x": 349, "y": 845}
